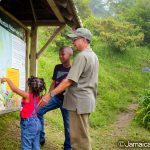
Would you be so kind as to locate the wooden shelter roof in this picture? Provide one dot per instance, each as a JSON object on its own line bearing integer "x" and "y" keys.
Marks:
{"x": 43, "y": 12}
{"x": 36, "y": 13}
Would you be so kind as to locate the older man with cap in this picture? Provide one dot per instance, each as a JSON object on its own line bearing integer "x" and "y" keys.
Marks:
{"x": 81, "y": 84}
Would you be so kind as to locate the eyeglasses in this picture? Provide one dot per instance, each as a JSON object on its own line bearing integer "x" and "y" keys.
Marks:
{"x": 76, "y": 39}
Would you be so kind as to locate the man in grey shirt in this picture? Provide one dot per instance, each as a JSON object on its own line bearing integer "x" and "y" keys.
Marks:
{"x": 81, "y": 89}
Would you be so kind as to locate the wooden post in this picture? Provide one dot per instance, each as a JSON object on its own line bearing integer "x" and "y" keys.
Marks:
{"x": 33, "y": 50}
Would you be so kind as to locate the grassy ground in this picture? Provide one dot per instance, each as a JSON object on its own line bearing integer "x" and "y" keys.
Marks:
{"x": 121, "y": 80}
{"x": 105, "y": 138}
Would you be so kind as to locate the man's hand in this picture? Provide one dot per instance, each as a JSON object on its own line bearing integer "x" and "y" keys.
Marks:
{"x": 61, "y": 87}
{"x": 44, "y": 100}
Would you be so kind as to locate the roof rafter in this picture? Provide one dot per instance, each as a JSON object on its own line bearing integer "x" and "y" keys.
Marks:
{"x": 33, "y": 11}
{"x": 56, "y": 10}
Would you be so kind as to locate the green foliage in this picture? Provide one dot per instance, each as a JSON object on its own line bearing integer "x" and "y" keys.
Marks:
{"x": 61, "y": 39}
{"x": 138, "y": 14}
{"x": 98, "y": 8}
{"x": 143, "y": 113}
{"x": 83, "y": 8}
{"x": 117, "y": 35}
{"x": 134, "y": 11}
{"x": 120, "y": 82}
{"x": 123, "y": 5}
{"x": 120, "y": 76}
{"x": 46, "y": 32}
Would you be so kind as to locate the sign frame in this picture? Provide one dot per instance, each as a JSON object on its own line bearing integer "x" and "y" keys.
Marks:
{"x": 26, "y": 39}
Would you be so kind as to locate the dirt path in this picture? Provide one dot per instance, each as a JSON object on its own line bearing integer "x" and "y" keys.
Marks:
{"x": 120, "y": 130}
{"x": 124, "y": 119}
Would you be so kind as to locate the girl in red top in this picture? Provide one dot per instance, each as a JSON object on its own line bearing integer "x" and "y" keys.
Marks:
{"x": 30, "y": 124}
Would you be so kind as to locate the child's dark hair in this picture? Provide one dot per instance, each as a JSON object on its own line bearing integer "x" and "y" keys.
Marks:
{"x": 36, "y": 85}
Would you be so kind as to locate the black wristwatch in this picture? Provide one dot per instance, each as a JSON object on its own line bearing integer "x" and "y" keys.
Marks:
{"x": 52, "y": 94}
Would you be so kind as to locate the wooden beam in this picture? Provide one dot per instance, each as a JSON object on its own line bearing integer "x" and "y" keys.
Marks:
{"x": 67, "y": 15}
{"x": 33, "y": 11}
{"x": 13, "y": 18}
{"x": 73, "y": 9}
{"x": 43, "y": 23}
{"x": 62, "y": 3}
{"x": 58, "y": 30}
{"x": 33, "y": 50}
{"x": 27, "y": 56}
{"x": 56, "y": 10}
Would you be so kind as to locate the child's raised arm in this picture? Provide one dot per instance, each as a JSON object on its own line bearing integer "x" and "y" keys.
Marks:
{"x": 15, "y": 89}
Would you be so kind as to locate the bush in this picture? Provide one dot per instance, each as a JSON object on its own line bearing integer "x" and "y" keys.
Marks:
{"x": 117, "y": 35}
{"x": 143, "y": 113}
{"x": 139, "y": 14}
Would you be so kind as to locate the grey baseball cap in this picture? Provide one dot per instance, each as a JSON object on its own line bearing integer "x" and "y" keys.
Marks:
{"x": 81, "y": 32}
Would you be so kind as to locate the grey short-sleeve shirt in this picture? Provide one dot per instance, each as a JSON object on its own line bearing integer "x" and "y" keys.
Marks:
{"x": 81, "y": 96}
